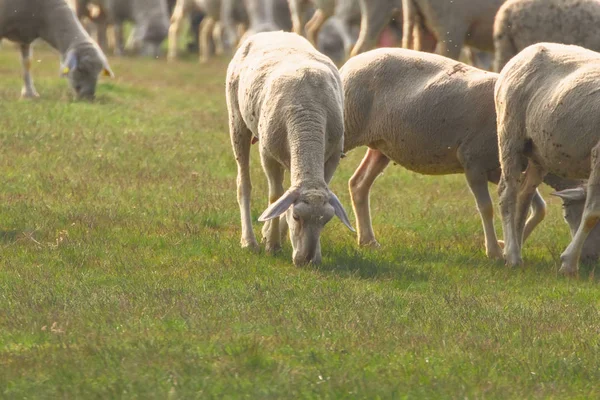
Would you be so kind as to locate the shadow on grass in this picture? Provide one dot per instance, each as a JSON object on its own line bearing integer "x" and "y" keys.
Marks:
{"x": 369, "y": 264}
{"x": 8, "y": 236}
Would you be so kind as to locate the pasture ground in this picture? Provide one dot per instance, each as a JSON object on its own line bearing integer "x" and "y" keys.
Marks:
{"x": 121, "y": 275}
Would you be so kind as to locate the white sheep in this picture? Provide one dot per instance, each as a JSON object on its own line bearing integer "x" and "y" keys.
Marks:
{"x": 450, "y": 23}
{"x": 210, "y": 27}
{"x": 267, "y": 16}
{"x": 298, "y": 9}
{"x": 287, "y": 96}
{"x": 547, "y": 100}
{"x": 429, "y": 114}
{"x": 376, "y": 15}
{"x": 520, "y": 23}
{"x": 23, "y": 21}
{"x": 150, "y": 18}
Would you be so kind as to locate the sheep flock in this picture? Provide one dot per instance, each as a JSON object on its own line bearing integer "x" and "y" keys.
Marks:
{"x": 412, "y": 101}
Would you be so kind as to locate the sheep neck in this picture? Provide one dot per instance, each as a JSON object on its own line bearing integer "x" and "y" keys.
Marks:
{"x": 61, "y": 29}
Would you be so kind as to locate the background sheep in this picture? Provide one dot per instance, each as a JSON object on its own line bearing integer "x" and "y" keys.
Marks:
{"x": 520, "y": 23}
{"x": 298, "y": 9}
{"x": 209, "y": 28}
{"x": 289, "y": 97}
{"x": 23, "y": 21}
{"x": 150, "y": 18}
{"x": 389, "y": 98}
{"x": 450, "y": 23}
{"x": 267, "y": 16}
{"x": 547, "y": 100}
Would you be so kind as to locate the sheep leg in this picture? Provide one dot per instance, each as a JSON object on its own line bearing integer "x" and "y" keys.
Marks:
{"x": 360, "y": 184}
{"x": 271, "y": 229}
{"x": 176, "y": 18}
{"x": 241, "y": 140}
{"x": 478, "y": 183}
{"x": 206, "y": 28}
{"x": 119, "y": 42}
{"x": 591, "y": 215}
{"x": 538, "y": 213}
{"x": 28, "y": 91}
{"x": 508, "y": 190}
{"x": 313, "y": 26}
{"x": 296, "y": 12}
{"x": 217, "y": 36}
{"x": 101, "y": 33}
{"x": 534, "y": 175}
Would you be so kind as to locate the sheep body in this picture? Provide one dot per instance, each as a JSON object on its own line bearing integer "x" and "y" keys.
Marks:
{"x": 54, "y": 22}
{"x": 286, "y": 94}
{"x": 547, "y": 99}
{"x": 429, "y": 114}
{"x": 520, "y": 23}
{"x": 450, "y": 23}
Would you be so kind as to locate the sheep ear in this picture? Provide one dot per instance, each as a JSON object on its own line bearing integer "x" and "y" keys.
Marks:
{"x": 575, "y": 194}
{"x": 280, "y": 206}
{"x": 70, "y": 63}
{"x": 339, "y": 210}
{"x": 106, "y": 71}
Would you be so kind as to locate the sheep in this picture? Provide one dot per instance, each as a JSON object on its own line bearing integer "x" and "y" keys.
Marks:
{"x": 286, "y": 95}
{"x": 298, "y": 8}
{"x": 209, "y": 27}
{"x": 267, "y": 16}
{"x": 520, "y": 23}
{"x": 572, "y": 193}
{"x": 151, "y": 19}
{"x": 376, "y": 14}
{"x": 340, "y": 32}
{"x": 54, "y": 22}
{"x": 234, "y": 19}
{"x": 546, "y": 102}
{"x": 389, "y": 94}
{"x": 450, "y": 23}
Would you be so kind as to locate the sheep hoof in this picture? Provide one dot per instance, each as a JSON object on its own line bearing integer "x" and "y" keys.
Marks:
{"x": 568, "y": 267}
{"x": 495, "y": 253}
{"x": 371, "y": 244}
{"x": 29, "y": 95}
{"x": 513, "y": 260}
{"x": 273, "y": 248}
{"x": 568, "y": 270}
{"x": 251, "y": 245}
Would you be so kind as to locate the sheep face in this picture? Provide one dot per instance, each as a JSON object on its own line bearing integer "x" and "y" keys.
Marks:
{"x": 306, "y": 212}
{"x": 573, "y": 204}
{"x": 306, "y": 219}
{"x": 82, "y": 67}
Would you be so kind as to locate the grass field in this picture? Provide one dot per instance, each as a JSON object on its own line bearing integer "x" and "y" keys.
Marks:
{"x": 121, "y": 274}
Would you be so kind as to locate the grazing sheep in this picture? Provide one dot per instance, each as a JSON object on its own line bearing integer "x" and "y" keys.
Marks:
{"x": 450, "y": 23}
{"x": 23, "y": 21}
{"x": 150, "y": 17}
{"x": 429, "y": 114}
{"x": 520, "y": 23}
{"x": 287, "y": 96}
{"x": 210, "y": 27}
{"x": 572, "y": 193}
{"x": 298, "y": 8}
{"x": 547, "y": 100}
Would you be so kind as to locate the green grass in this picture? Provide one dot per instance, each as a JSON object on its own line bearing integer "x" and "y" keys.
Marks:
{"x": 121, "y": 274}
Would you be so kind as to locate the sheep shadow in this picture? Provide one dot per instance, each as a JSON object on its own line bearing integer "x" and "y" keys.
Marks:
{"x": 9, "y": 236}
{"x": 352, "y": 261}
